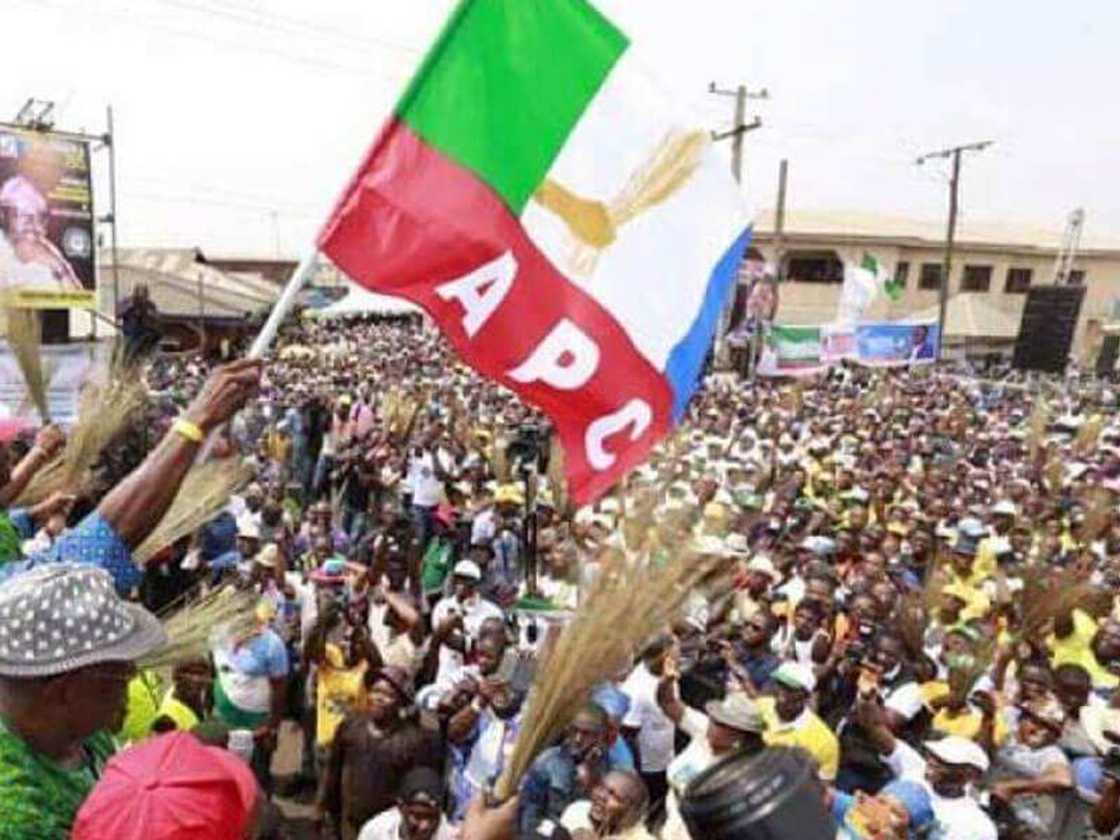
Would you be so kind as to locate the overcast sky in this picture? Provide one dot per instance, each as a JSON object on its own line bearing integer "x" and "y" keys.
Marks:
{"x": 239, "y": 120}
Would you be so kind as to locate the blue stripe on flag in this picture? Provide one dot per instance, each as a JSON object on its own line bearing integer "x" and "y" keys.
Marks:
{"x": 687, "y": 359}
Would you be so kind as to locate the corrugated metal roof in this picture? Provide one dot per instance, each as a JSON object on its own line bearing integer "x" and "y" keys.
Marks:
{"x": 180, "y": 285}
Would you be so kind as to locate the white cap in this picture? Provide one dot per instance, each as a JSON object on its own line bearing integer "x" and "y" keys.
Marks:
{"x": 1005, "y": 507}
{"x": 960, "y": 751}
{"x": 795, "y": 675}
{"x": 268, "y": 556}
{"x": 467, "y": 569}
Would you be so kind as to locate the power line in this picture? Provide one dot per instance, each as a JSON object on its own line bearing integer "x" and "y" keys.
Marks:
{"x": 263, "y": 208}
{"x": 234, "y": 46}
{"x": 286, "y": 25}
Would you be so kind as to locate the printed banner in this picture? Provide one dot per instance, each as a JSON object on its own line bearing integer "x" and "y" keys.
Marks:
{"x": 888, "y": 345}
{"x": 839, "y": 343}
{"x": 66, "y": 370}
{"x": 801, "y": 351}
{"x": 791, "y": 351}
{"x": 46, "y": 222}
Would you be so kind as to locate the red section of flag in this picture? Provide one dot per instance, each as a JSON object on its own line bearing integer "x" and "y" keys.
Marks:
{"x": 412, "y": 220}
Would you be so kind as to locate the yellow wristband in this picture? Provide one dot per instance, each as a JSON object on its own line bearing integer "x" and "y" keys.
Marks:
{"x": 188, "y": 430}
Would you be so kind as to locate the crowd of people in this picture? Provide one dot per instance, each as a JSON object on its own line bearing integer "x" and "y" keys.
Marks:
{"x": 918, "y": 590}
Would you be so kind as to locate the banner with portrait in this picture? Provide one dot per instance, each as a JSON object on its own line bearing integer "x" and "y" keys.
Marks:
{"x": 46, "y": 221}
{"x": 891, "y": 345}
{"x": 806, "y": 350}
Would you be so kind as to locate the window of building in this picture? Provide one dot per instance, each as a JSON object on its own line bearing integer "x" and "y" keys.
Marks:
{"x": 901, "y": 274}
{"x": 930, "y": 277}
{"x": 814, "y": 267}
{"x": 977, "y": 278}
{"x": 1077, "y": 277}
{"x": 1018, "y": 281}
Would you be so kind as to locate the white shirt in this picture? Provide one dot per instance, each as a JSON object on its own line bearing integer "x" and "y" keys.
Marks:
{"x": 427, "y": 490}
{"x": 484, "y": 527}
{"x": 387, "y": 826}
{"x": 655, "y": 729}
{"x": 396, "y": 649}
{"x": 475, "y": 611}
{"x": 961, "y": 818}
{"x": 694, "y": 760}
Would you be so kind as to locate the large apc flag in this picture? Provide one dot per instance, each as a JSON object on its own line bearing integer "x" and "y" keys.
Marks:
{"x": 574, "y": 239}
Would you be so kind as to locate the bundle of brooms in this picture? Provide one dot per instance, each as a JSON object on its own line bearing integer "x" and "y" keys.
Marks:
{"x": 623, "y": 611}
{"x": 25, "y": 338}
{"x": 1048, "y": 593}
{"x": 205, "y": 491}
{"x": 105, "y": 409}
{"x": 194, "y": 623}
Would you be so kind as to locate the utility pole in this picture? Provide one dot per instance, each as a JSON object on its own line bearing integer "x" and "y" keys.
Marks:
{"x": 954, "y": 196}
{"x": 736, "y": 134}
{"x": 740, "y": 127}
{"x": 780, "y": 220}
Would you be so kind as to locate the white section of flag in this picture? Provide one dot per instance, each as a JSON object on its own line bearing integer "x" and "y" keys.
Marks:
{"x": 653, "y": 277}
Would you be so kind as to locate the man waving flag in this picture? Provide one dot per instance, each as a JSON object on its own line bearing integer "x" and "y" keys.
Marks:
{"x": 574, "y": 239}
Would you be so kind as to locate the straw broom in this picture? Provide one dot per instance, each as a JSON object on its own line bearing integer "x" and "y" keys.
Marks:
{"x": 205, "y": 490}
{"x": 104, "y": 411}
{"x": 621, "y": 613}
{"x": 1053, "y": 473}
{"x": 1037, "y": 425}
{"x": 1087, "y": 435}
{"x": 556, "y": 480}
{"x": 25, "y": 338}
{"x": 1098, "y": 515}
{"x": 193, "y": 628}
{"x": 1048, "y": 593}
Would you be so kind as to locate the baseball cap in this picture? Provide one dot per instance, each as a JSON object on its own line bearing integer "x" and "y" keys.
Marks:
{"x": 467, "y": 569}
{"x": 172, "y": 786}
{"x": 960, "y": 751}
{"x": 795, "y": 675}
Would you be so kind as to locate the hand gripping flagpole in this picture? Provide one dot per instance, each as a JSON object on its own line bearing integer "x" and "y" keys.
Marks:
{"x": 283, "y": 306}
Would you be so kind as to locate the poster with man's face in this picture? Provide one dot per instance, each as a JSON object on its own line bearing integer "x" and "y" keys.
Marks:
{"x": 46, "y": 222}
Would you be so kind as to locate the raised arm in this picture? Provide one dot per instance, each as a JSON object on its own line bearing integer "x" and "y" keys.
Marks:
{"x": 135, "y": 506}
{"x": 47, "y": 443}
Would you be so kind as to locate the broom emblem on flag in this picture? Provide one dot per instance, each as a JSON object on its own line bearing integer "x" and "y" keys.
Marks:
{"x": 595, "y": 224}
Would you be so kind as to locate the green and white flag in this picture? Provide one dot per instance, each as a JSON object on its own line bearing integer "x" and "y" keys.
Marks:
{"x": 863, "y": 283}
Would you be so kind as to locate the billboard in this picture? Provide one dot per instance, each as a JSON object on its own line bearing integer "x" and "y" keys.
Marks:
{"x": 46, "y": 221}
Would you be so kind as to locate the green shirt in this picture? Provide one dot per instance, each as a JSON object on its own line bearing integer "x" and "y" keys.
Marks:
{"x": 9, "y": 540}
{"x": 435, "y": 565}
{"x": 39, "y": 799}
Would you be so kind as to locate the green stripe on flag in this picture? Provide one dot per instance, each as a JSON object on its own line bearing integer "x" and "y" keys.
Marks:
{"x": 505, "y": 84}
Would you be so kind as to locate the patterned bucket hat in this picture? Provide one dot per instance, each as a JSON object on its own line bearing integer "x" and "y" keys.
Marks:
{"x": 61, "y": 617}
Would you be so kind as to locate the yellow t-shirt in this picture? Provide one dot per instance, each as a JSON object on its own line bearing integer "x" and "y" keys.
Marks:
{"x": 183, "y": 715}
{"x": 1076, "y": 649}
{"x": 144, "y": 692}
{"x": 338, "y": 690}
{"x": 808, "y": 732}
{"x": 967, "y": 723}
